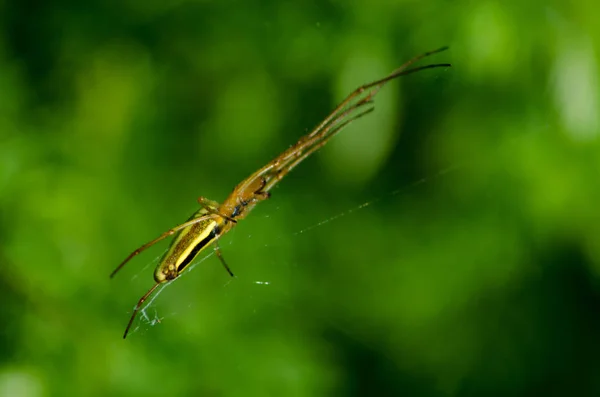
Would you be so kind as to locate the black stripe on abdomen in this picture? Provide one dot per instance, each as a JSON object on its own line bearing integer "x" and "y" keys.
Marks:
{"x": 203, "y": 243}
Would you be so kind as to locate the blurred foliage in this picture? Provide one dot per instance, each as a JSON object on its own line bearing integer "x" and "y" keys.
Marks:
{"x": 473, "y": 271}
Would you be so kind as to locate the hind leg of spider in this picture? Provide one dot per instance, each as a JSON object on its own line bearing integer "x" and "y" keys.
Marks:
{"x": 137, "y": 308}
{"x": 220, "y": 256}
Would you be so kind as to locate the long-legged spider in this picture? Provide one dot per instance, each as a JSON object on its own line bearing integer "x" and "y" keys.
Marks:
{"x": 213, "y": 220}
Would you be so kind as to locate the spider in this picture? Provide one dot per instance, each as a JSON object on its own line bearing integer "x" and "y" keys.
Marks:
{"x": 213, "y": 220}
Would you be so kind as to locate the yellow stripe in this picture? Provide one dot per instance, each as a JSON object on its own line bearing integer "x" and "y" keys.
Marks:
{"x": 208, "y": 228}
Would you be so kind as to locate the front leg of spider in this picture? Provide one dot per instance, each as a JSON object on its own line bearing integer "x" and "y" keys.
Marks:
{"x": 256, "y": 195}
{"x": 263, "y": 195}
{"x": 260, "y": 194}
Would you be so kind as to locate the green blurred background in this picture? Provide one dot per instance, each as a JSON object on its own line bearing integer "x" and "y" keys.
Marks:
{"x": 473, "y": 271}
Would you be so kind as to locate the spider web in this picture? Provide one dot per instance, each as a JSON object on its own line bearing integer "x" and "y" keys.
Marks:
{"x": 149, "y": 316}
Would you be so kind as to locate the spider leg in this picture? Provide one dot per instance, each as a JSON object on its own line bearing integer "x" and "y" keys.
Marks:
{"x": 220, "y": 256}
{"x": 212, "y": 207}
{"x": 137, "y": 308}
{"x": 318, "y": 143}
{"x": 166, "y": 234}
